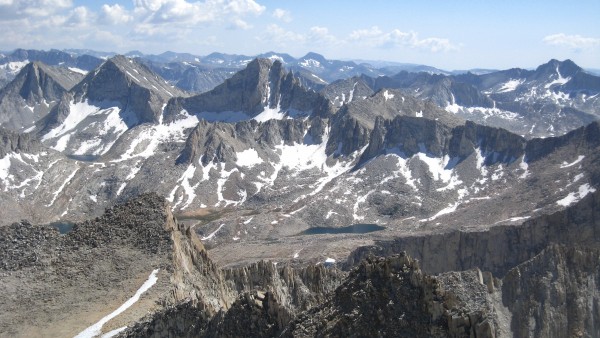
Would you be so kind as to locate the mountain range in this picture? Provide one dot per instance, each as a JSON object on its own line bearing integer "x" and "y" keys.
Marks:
{"x": 495, "y": 171}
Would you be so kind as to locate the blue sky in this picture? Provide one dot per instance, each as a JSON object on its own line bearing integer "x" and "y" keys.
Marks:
{"x": 445, "y": 34}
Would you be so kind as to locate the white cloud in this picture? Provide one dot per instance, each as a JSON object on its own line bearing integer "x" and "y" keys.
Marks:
{"x": 321, "y": 35}
{"x": 114, "y": 15}
{"x": 241, "y": 7}
{"x": 161, "y": 17}
{"x": 11, "y": 9}
{"x": 571, "y": 41}
{"x": 282, "y": 37}
{"x": 375, "y": 37}
{"x": 282, "y": 14}
{"x": 80, "y": 16}
{"x": 241, "y": 24}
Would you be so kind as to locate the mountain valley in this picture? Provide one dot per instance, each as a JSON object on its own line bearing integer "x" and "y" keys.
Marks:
{"x": 275, "y": 196}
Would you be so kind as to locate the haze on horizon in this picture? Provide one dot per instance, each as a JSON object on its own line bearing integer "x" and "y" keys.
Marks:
{"x": 447, "y": 35}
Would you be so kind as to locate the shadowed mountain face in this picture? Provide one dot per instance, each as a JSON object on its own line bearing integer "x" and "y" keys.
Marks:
{"x": 259, "y": 91}
{"x": 33, "y": 93}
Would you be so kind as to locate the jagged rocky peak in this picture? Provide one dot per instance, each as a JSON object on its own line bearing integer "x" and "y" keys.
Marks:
{"x": 263, "y": 87}
{"x": 355, "y": 120}
{"x": 32, "y": 93}
{"x": 219, "y": 142}
{"x": 566, "y": 68}
{"x": 11, "y": 141}
{"x": 392, "y": 297}
{"x": 42, "y": 82}
{"x": 347, "y": 90}
{"x": 135, "y": 87}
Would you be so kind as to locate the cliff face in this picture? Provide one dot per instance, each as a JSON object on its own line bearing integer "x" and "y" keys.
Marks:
{"x": 14, "y": 142}
{"x": 555, "y": 294}
{"x": 499, "y": 249}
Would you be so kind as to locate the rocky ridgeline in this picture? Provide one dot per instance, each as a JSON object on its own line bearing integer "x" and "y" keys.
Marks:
{"x": 268, "y": 298}
{"x": 218, "y": 142}
{"x": 139, "y": 223}
{"x": 500, "y": 248}
{"x": 24, "y": 245}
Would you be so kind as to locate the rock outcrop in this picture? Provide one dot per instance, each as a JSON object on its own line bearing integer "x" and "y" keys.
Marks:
{"x": 75, "y": 279}
{"x": 393, "y": 297}
{"x": 11, "y": 141}
{"x": 355, "y": 121}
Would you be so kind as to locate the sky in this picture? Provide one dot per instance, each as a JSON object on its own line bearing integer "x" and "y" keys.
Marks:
{"x": 446, "y": 34}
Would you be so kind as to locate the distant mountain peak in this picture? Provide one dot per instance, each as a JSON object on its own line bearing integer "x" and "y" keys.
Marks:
{"x": 314, "y": 56}
{"x": 566, "y": 68}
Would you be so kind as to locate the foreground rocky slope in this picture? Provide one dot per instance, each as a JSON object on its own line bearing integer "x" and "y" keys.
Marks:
{"x": 59, "y": 284}
{"x": 542, "y": 290}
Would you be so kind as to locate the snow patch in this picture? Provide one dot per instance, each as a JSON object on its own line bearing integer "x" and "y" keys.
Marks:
{"x": 248, "y": 158}
{"x": 96, "y": 329}
{"x": 77, "y": 113}
{"x": 387, "y": 95}
{"x": 189, "y": 190}
{"x": 510, "y": 85}
{"x": 60, "y": 189}
{"x": 77, "y": 70}
{"x": 154, "y": 135}
{"x": 450, "y": 209}
{"x": 566, "y": 165}
{"x": 212, "y": 234}
{"x": 576, "y": 196}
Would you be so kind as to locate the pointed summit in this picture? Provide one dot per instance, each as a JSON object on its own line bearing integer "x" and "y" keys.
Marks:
{"x": 554, "y": 67}
{"x": 32, "y": 93}
{"x": 262, "y": 88}
{"x": 135, "y": 87}
{"x": 119, "y": 95}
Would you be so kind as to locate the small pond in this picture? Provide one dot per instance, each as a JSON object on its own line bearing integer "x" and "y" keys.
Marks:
{"x": 351, "y": 229}
{"x": 62, "y": 226}
{"x": 83, "y": 158}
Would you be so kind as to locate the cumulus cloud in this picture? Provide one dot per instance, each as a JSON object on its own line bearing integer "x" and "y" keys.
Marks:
{"x": 114, "y": 15}
{"x": 375, "y": 37}
{"x": 571, "y": 41}
{"x": 282, "y": 14}
{"x": 241, "y": 24}
{"x": 155, "y": 17}
{"x": 321, "y": 35}
{"x": 15, "y": 9}
{"x": 185, "y": 12}
{"x": 276, "y": 34}
{"x": 79, "y": 17}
